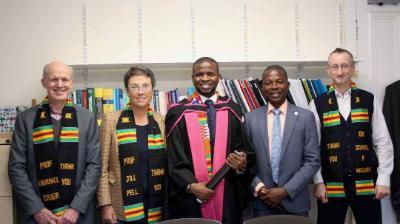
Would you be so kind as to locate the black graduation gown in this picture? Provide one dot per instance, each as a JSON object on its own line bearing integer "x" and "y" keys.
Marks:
{"x": 391, "y": 111}
{"x": 181, "y": 204}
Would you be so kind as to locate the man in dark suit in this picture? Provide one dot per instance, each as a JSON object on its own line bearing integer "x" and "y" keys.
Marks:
{"x": 391, "y": 111}
{"x": 54, "y": 164}
{"x": 285, "y": 140}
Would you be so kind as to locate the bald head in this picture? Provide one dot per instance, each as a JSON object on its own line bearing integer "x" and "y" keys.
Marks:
{"x": 57, "y": 80}
{"x": 55, "y": 66}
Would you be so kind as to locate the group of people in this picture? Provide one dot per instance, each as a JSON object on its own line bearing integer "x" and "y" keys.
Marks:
{"x": 205, "y": 159}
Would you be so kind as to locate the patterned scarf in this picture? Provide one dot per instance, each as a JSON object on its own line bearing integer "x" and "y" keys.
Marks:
{"x": 56, "y": 166}
{"x": 204, "y": 130}
{"x": 132, "y": 176}
{"x": 361, "y": 155}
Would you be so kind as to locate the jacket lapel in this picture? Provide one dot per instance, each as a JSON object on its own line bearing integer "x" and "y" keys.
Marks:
{"x": 262, "y": 118}
{"x": 291, "y": 118}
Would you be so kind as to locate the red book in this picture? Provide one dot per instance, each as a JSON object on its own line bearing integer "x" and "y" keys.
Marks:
{"x": 84, "y": 99}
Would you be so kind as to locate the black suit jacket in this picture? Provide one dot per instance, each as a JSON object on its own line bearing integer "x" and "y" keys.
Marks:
{"x": 391, "y": 111}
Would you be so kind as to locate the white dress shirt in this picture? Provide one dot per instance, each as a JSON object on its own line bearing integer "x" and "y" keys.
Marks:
{"x": 382, "y": 144}
{"x": 214, "y": 98}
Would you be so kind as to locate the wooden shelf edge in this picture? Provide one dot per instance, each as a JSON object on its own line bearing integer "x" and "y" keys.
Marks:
{"x": 5, "y": 137}
{"x": 5, "y": 134}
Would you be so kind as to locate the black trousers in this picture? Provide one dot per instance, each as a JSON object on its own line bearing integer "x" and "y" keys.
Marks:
{"x": 365, "y": 210}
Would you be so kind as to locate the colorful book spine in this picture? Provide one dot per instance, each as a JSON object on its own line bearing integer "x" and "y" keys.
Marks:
{"x": 78, "y": 94}
{"x": 90, "y": 99}
{"x": 190, "y": 90}
{"x": 108, "y": 100}
{"x": 98, "y": 97}
{"x": 115, "y": 99}
{"x": 125, "y": 99}
{"x": 84, "y": 99}
{"x": 121, "y": 99}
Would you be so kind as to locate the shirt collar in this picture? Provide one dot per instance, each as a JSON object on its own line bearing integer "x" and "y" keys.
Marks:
{"x": 282, "y": 108}
{"x": 214, "y": 98}
{"x": 346, "y": 93}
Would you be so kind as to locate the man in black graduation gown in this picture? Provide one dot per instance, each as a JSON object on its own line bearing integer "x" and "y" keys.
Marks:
{"x": 203, "y": 133}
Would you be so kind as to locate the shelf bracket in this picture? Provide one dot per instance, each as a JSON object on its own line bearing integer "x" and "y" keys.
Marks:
{"x": 300, "y": 71}
{"x": 247, "y": 71}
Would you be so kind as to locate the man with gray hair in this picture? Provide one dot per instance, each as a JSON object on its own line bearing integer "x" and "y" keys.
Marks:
{"x": 356, "y": 149}
{"x": 54, "y": 163}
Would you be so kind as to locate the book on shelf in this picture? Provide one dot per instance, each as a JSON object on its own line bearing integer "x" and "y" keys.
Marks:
{"x": 108, "y": 100}
{"x": 91, "y": 100}
{"x": 98, "y": 99}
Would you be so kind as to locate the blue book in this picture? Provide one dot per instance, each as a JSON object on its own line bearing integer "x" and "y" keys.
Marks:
{"x": 190, "y": 90}
{"x": 121, "y": 99}
{"x": 78, "y": 97}
{"x": 322, "y": 87}
{"x": 116, "y": 99}
{"x": 176, "y": 95}
{"x": 316, "y": 87}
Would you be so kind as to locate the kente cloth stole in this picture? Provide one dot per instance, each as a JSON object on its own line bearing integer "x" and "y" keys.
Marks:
{"x": 332, "y": 117}
{"x": 197, "y": 133}
{"x": 56, "y": 168}
{"x": 132, "y": 176}
{"x": 205, "y": 136}
{"x": 361, "y": 151}
{"x": 204, "y": 130}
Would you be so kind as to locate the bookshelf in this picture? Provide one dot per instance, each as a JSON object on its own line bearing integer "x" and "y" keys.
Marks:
{"x": 180, "y": 65}
{"x": 177, "y": 75}
{"x": 233, "y": 69}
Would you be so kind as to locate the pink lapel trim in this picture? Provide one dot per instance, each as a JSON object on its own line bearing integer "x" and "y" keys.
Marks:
{"x": 213, "y": 208}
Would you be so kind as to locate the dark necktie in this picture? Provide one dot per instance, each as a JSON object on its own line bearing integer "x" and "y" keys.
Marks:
{"x": 211, "y": 121}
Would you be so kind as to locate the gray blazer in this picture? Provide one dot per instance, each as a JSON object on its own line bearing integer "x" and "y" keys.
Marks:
{"x": 22, "y": 171}
{"x": 300, "y": 154}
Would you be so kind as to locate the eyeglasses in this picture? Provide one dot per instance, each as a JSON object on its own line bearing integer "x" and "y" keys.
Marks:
{"x": 136, "y": 89}
{"x": 336, "y": 67}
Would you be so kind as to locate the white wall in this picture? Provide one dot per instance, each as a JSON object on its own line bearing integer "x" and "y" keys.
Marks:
{"x": 378, "y": 46}
{"x": 33, "y": 33}
{"x": 36, "y": 32}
